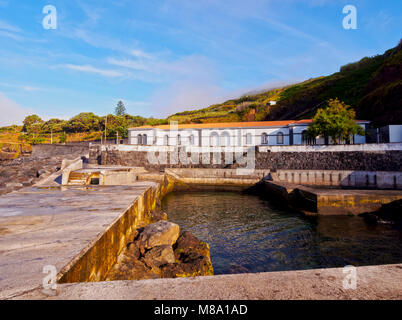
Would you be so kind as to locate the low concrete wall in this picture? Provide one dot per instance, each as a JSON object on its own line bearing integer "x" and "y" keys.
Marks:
{"x": 216, "y": 177}
{"x": 94, "y": 262}
{"x": 69, "y": 166}
{"x": 350, "y": 179}
{"x": 67, "y": 150}
{"x": 327, "y": 201}
{"x": 119, "y": 177}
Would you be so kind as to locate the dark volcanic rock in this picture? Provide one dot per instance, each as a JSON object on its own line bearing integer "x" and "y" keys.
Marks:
{"x": 158, "y": 234}
{"x": 156, "y": 216}
{"x": 131, "y": 269}
{"x": 158, "y": 256}
{"x": 192, "y": 265}
{"x": 390, "y": 212}
{"x": 193, "y": 258}
{"x": 187, "y": 243}
{"x": 133, "y": 250}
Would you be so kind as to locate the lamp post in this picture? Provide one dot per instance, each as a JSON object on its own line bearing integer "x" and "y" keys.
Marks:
{"x": 105, "y": 130}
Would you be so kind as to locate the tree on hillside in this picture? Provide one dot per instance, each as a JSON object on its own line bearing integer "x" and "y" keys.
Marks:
{"x": 32, "y": 124}
{"x": 53, "y": 125}
{"x": 120, "y": 109}
{"x": 84, "y": 122}
{"x": 336, "y": 120}
{"x": 116, "y": 124}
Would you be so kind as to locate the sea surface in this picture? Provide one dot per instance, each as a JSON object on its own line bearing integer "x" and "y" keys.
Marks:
{"x": 247, "y": 233}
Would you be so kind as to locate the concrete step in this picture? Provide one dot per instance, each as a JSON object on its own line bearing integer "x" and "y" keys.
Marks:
{"x": 78, "y": 178}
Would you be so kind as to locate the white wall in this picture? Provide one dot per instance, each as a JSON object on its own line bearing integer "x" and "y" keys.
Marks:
{"x": 395, "y": 133}
{"x": 235, "y": 136}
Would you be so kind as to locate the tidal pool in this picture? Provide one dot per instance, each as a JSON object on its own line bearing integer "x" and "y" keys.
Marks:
{"x": 247, "y": 233}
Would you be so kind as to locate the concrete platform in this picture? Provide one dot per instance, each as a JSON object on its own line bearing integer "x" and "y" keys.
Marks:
{"x": 330, "y": 201}
{"x": 51, "y": 226}
{"x": 373, "y": 282}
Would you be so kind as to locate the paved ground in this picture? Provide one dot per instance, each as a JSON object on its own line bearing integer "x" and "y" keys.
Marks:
{"x": 375, "y": 282}
{"x": 50, "y": 226}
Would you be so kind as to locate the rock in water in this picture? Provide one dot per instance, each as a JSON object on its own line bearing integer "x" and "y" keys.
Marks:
{"x": 158, "y": 256}
{"x": 128, "y": 268}
{"x": 158, "y": 234}
{"x": 192, "y": 256}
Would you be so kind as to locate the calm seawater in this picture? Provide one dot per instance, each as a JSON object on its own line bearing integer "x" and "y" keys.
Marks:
{"x": 247, "y": 233}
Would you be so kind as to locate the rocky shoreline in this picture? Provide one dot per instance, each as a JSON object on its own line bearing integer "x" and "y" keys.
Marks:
{"x": 24, "y": 172}
{"x": 159, "y": 250}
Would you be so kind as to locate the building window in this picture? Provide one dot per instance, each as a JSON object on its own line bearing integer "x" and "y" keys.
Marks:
{"x": 225, "y": 138}
{"x": 139, "y": 139}
{"x": 214, "y": 139}
{"x": 248, "y": 138}
{"x": 191, "y": 139}
{"x": 264, "y": 138}
{"x": 279, "y": 138}
{"x": 144, "y": 139}
{"x": 166, "y": 140}
{"x": 179, "y": 140}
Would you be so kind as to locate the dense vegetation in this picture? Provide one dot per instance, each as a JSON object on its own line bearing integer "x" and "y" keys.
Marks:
{"x": 85, "y": 126}
{"x": 372, "y": 87}
{"x": 335, "y": 120}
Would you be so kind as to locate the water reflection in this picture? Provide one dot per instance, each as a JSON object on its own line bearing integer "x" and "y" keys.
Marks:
{"x": 248, "y": 234}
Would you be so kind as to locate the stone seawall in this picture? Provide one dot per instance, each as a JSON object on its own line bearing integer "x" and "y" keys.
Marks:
{"x": 356, "y": 161}
{"x": 95, "y": 261}
{"x": 52, "y": 150}
{"x": 341, "y": 160}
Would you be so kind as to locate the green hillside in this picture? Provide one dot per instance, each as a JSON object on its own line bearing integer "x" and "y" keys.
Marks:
{"x": 371, "y": 86}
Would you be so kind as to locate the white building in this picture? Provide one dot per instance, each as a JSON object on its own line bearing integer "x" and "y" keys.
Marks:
{"x": 271, "y": 133}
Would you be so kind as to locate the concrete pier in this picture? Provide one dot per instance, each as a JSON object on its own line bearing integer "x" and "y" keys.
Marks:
{"x": 81, "y": 230}
{"x": 66, "y": 227}
{"x": 327, "y": 201}
{"x": 373, "y": 282}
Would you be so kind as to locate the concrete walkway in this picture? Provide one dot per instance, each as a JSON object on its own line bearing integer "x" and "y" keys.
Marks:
{"x": 373, "y": 282}
{"x": 50, "y": 226}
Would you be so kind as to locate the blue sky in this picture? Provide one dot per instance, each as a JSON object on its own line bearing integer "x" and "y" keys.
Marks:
{"x": 165, "y": 56}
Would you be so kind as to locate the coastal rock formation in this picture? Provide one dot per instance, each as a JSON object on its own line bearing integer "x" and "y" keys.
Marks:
{"x": 388, "y": 213}
{"x": 26, "y": 171}
{"x": 192, "y": 256}
{"x": 158, "y": 234}
{"x": 158, "y": 252}
{"x": 159, "y": 256}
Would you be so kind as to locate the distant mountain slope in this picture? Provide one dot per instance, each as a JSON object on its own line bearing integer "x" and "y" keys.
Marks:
{"x": 372, "y": 86}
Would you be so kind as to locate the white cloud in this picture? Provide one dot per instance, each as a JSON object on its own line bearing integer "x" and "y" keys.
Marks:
{"x": 12, "y": 113}
{"x": 141, "y": 54}
{"x": 27, "y": 88}
{"x": 91, "y": 69}
{"x": 6, "y": 26}
{"x": 185, "y": 95}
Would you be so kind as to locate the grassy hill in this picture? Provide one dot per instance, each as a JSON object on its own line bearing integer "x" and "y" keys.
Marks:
{"x": 371, "y": 86}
